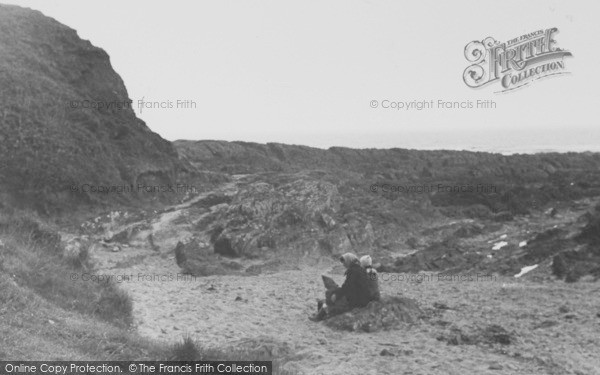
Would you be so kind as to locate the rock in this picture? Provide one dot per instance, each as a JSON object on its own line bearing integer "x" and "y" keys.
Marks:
{"x": 457, "y": 337}
{"x": 224, "y": 247}
{"x": 232, "y": 265}
{"x": 335, "y": 242}
{"x": 412, "y": 242}
{"x": 502, "y": 216}
{"x": 115, "y": 249}
{"x": 255, "y": 269}
{"x": 447, "y": 254}
{"x": 441, "y": 306}
{"x": 238, "y": 298}
{"x": 493, "y": 334}
{"x": 495, "y": 366}
{"x": 152, "y": 243}
{"x": 572, "y": 277}
{"x": 359, "y": 233}
{"x": 199, "y": 267}
{"x": 546, "y": 324}
{"x": 469, "y": 230}
{"x": 526, "y": 270}
{"x": 72, "y": 248}
{"x": 121, "y": 237}
{"x": 328, "y": 221}
{"x": 559, "y": 266}
{"x": 386, "y": 352}
{"x": 194, "y": 259}
{"x": 389, "y": 313}
{"x": 497, "y": 334}
{"x": 563, "y": 309}
{"x": 264, "y": 216}
{"x": 180, "y": 257}
{"x": 322, "y": 341}
{"x": 499, "y": 245}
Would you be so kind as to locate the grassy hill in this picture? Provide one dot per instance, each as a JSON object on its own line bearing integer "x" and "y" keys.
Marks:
{"x": 65, "y": 121}
{"x": 48, "y": 141}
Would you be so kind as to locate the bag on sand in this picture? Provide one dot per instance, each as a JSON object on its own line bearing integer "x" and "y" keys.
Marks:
{"x": 329, "y": 283}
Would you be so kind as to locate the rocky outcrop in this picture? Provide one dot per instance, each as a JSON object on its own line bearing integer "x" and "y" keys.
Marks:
{"x": 263, "y": 217}
{"x": 569, "y": 252}
{"x": 269, "y": 215}
{"x": 509, "y": 185}
{"x": 439, "y": 256}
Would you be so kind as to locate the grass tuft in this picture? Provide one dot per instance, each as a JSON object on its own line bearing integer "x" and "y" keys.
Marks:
{"x": 185, "y": 350}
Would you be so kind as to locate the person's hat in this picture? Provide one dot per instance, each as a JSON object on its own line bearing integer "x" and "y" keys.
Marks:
{"x": 349, "y": 258}
{"x": 366, "y": 261}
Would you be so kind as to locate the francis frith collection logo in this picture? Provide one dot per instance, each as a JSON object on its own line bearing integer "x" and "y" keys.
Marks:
{"x": 514, "y": 63}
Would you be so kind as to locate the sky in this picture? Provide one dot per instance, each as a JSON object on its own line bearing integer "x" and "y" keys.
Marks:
{"x": 308, "y": 72}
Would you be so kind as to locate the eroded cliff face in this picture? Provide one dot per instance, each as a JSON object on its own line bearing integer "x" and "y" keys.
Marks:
{"x": 48, "y": 141}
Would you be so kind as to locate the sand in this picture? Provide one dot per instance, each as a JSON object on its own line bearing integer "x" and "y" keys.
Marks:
{"x": 555, "y": 326}
{"x": 273, "y": 309}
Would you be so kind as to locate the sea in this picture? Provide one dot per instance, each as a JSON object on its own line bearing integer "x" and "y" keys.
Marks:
{"x": 507, "y": 142}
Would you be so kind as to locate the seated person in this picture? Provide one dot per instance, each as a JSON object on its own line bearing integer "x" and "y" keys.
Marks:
{"x": 354, "y": 292}
{"x": 367, "y": 264}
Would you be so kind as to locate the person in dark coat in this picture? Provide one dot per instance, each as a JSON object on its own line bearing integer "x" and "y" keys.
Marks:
{"x": 353, "y": 293}
{"x": 356, "y": 286}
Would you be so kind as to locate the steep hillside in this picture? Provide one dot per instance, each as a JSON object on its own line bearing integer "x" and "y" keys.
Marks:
{"x": 49, "y": 142}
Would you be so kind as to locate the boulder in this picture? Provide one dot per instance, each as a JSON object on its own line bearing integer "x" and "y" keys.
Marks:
{"x": 468, "y": 230}
{"x": 180, "y": 257}
{"x": 559, "y": 267}
{"x": 389, "y": 313}
{"x": 122, "y": 237}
